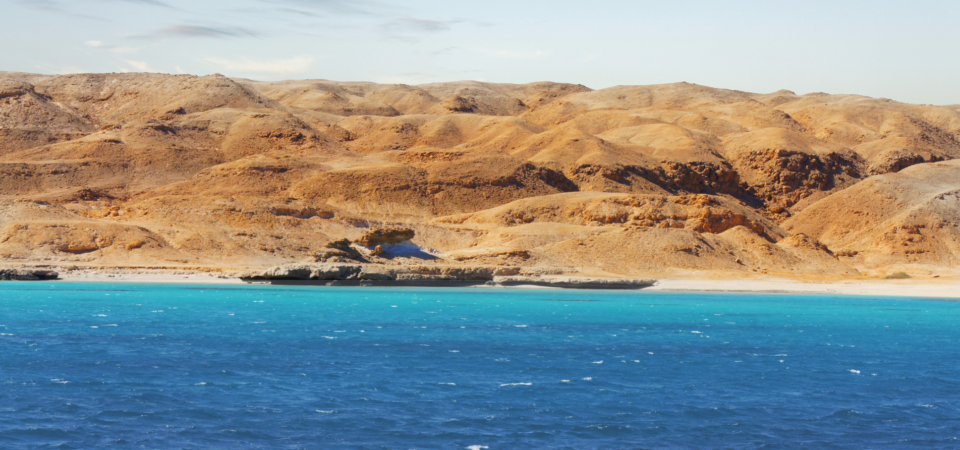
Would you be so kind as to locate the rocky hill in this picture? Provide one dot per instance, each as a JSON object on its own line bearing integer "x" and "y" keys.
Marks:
{"x": 185, "y": 171}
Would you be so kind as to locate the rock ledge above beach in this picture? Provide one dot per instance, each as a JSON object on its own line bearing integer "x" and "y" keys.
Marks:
{"x": 380, "y": 275}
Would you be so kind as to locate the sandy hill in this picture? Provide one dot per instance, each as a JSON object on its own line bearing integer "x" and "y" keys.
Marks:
{"x": 147, "y": 169}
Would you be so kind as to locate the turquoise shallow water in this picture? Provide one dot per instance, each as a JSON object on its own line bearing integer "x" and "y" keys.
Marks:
{"x": 201, "y": 367}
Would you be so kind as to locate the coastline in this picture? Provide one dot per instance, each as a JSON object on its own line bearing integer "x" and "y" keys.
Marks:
{"x": 941, "y": 289}
{"x": 156, "y": 277}
{"x": 946, "y": 290}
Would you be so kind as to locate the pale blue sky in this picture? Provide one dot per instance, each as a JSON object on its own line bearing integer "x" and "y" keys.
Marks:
{"x": 906, "y": 51}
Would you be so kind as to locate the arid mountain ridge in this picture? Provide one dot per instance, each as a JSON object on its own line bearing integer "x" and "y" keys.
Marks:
{"x": 178, "y": 170}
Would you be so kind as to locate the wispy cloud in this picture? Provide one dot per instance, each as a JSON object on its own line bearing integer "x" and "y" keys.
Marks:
{"x": 199, "y": 31}
{"x": 141, "y": 66}
{"x": 298, "y": 12}
{"x": 409, "y": 24}
{"x": 511, "y": 54}
{"x": 289, "y": 66}
{"x": 409, "y": 29}
{"x": 110, "y": 48}
{"x": 71, "y": 69}
{"x": 334, "y": 6}
{"x": 148, "y": 2}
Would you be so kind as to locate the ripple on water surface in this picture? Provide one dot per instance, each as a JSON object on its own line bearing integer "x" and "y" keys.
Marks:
{"x": 262, "y": 367}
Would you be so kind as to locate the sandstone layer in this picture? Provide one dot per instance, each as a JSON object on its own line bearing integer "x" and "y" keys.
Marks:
{"x": 149, "y": 170}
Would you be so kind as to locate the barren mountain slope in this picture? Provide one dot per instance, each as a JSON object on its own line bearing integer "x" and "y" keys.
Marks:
{"x": 906, "y": 218}
{"x": 148, "y": 169}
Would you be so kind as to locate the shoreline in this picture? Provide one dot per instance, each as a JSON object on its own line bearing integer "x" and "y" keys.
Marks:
{"x": 941, "y": 289}
{"x": 949, "y": 290}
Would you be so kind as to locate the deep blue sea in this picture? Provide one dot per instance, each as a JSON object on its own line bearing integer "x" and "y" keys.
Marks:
{"x": 127, "y": 366}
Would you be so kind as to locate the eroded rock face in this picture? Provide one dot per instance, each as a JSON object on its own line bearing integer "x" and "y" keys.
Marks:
{"x": 306, "y": 272}
{"x": 697, "y": 212}
{"x": 385, "y": 236}
{"x": 301, "y": 213}
{"x": 899, "y": 161}
{"x": 338, "y": 251}
{"x": 785, "y": 177}
{"x": 803, "y": 241}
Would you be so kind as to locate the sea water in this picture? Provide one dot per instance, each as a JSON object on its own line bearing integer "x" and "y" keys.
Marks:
{"x": 118, "y": 366}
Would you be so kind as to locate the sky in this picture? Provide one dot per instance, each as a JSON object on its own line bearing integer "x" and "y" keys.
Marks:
{"x": 906, "y": 51}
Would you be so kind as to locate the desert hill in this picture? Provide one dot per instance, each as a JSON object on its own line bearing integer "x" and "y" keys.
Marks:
{"x": 178, "y": 170}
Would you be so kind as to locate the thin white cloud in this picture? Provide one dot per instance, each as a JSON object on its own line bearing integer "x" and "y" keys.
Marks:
{"x": 411, "y": 24}
{"x": 360, "y": 7}
{"x": 199, "y": 31}
{"x": 149, "y": 2}
{"x": 110, "y": 48}
{"x": 510, "y": 54}
{"x": 409, "y": 29}
{"x": 289, "y": 66}
{"x": 70, "y": 70}
{"x": 124, "y": 49}
{"x": 141, "y": 66}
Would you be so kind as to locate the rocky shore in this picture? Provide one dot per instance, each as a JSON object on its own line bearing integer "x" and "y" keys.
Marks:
{"x": 488, "y": 277}
{"x": 432, "y": 276}
{"x": 28, "y": 275}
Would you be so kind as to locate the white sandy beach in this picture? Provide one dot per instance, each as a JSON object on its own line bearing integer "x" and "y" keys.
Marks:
{"x": 947, "y": 289}
{"x": 157, "y": 277}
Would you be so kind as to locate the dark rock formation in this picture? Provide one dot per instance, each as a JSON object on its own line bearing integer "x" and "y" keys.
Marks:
{"x": 27, "y": 275}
